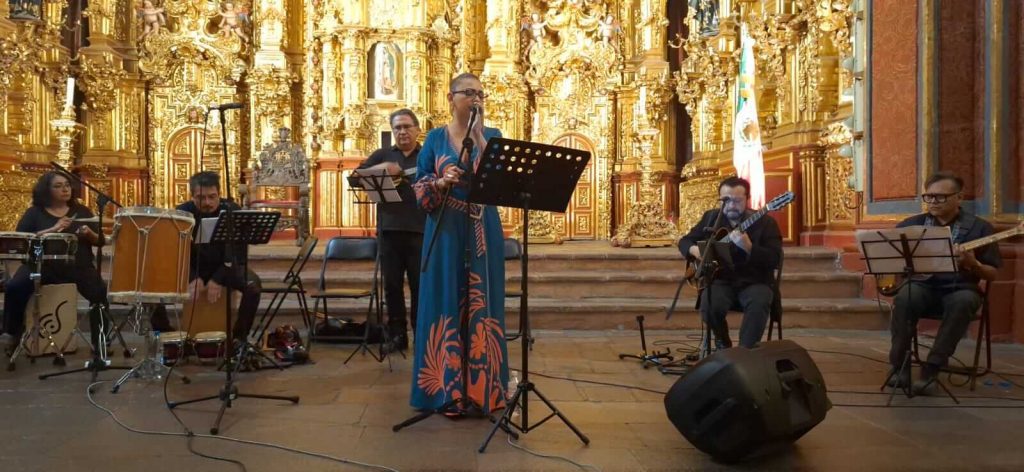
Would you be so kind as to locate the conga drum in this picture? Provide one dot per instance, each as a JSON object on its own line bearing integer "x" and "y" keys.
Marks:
{"x": 59, "y": 246}
{"x": 15, "y": 246}
{"x": 151, "y": 256}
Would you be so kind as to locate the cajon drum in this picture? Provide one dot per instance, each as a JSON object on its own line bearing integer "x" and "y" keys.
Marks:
{"x": 58, "y": 308}
{"x": 207, "y": 316}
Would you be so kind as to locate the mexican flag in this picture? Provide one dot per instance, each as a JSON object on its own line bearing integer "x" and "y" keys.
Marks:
{"x": 746, "y": 134}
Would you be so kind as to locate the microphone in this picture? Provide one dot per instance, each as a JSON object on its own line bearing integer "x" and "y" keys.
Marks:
{"x": 474, "y": 112}
{"x": 228, "y": 106}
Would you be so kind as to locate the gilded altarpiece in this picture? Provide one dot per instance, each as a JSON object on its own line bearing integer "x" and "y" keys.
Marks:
{"x": 195, "y": 63}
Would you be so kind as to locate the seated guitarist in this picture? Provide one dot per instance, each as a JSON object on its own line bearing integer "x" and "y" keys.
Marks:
{"x": 954, "y": 297}
{"x": 755, "y": 255}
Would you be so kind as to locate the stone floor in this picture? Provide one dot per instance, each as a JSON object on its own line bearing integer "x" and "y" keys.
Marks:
{"x": 347, "y": 412}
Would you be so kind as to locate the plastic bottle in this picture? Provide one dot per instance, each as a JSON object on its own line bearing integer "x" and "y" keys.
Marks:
{"x": 158, "y": 348}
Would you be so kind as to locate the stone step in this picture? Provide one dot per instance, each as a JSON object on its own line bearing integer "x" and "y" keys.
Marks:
{"x": 632, "y": 284}
{"x": 552, "y": 258}
{"x": 621, "y": 313}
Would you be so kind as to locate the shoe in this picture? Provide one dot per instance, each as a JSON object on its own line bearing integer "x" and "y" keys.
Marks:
{"x": 899, "y": 379}
{"x": 399, "y": 342}
{"x": 928, "y": 385}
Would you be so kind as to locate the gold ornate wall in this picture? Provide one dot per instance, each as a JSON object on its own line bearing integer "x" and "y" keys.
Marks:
{"x": 591, "y": 74}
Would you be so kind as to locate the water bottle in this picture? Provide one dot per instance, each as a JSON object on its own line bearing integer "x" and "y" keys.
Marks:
{"x": 158, "y": 348}
{"x": 513, "y": 384}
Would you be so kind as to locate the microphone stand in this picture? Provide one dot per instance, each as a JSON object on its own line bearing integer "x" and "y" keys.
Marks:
{"x": 464, "y": 402}
{"x": 97, "y": 322}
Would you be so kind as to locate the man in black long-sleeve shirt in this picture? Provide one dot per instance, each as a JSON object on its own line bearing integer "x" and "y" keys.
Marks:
{"x": 211, "y": 266}
{"x": 399, "y": 224}
{"x": 755, "y": 255}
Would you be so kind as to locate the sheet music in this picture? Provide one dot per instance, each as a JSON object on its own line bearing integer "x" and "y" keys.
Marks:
{"x": 368, "y": 180}
{"x": 933, "y": 254}
{"x": 206, "y": 229}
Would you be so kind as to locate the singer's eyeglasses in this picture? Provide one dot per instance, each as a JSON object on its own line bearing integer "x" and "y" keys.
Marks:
{"x": 937, "y": 197}
{"x": 472, "y": 93}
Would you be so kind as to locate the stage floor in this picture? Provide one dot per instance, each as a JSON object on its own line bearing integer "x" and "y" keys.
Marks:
{"x": 348, "y": 411}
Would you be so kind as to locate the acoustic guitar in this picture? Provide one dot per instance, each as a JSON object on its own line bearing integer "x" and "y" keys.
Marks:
{"x": 695, "y": 270}
{"x": 890, "y": 284}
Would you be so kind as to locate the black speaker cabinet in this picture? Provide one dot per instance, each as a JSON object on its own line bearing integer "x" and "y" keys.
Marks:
{"x": 740, "y": 402}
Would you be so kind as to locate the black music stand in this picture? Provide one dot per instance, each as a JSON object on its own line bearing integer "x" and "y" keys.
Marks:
{"x": 381, "y": 189}
{"x": 894, "y": 253}
{"x": 237, "y": 229}
{"x": 528, "y": 176}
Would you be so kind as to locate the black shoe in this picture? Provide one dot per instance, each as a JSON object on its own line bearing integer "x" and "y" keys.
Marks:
{"x": 928, "y": 385}
{"x": 899, "y": 379}
{"x": 400, "y": 342}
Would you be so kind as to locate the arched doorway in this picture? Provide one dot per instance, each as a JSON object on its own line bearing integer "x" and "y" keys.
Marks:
{"x": 580, "y": 220}
{"x": 183, "y": 151}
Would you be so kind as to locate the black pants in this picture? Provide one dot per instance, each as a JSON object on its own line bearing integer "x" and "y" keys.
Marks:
{"x": 19, "y": 290}
{"x": 400, "y": 253}
{"x": 755, "y": 300}
{"x": 917, "y": 300}
{"x": 246, "y": 309}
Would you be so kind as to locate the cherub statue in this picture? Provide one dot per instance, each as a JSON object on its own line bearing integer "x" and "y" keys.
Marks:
{"x": 152, "y": 19}
{"x": 231, "y": 21}
{"x": 608, "y": 28}
{"x": 536, "y": 28}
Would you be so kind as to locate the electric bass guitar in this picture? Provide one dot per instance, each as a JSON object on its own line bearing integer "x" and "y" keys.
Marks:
{"x": 889, "y": 284}
{"x": 695, "y": 270}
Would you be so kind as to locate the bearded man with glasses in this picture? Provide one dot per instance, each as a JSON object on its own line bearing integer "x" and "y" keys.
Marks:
{"x": 956, "y": 297}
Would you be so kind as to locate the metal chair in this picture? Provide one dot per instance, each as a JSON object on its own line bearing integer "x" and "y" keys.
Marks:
{"x": 775, "y": 316}
{"x": 513, "y": 252}
{"x": 975, "y": 370}
{"x": 351, "y": 249}
{"x": 290, "y": 284}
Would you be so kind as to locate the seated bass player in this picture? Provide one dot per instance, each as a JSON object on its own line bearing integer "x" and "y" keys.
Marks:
{"x": 755, "y": 255}
{"x": 954, "y": 297}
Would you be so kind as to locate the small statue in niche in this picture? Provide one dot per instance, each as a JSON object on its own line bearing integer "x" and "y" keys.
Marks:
{"x": 152, "y": 19}
{"x": 706, "y": 14}
{"x": 608, "y": 28}
{"x": 231, "y": 21}
{"x": 26, "y": 9}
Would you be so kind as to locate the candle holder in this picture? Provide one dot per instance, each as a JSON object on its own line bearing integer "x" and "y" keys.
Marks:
{"x": 66, "y": 129}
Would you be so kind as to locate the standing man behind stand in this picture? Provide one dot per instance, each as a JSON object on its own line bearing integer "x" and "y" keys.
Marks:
{"x": 400, "y": 224}
{"x": 755, "y": 255}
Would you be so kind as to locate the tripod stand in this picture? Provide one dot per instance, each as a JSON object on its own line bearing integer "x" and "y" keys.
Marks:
{"x": 647, "y": 360}
{"x": 236, "y": 229}
{"x": 892, "y": 253}
{"x": 380, "y": 187}
{"x": 99, "y": 314}
{"x": 525, "y": 175}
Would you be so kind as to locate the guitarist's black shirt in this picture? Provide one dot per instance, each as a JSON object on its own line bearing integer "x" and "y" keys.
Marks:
{"x": 968, "y": 227}
{"x": 759, "y": 265}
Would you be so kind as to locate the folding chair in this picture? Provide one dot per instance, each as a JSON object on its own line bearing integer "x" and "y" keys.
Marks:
{"x": 975, "y": 370}
{"x": 351, "y": 249}
{"x": 775, "y": 316}
{"x": 290, "y": 284}
{"x": 513, "y": 252}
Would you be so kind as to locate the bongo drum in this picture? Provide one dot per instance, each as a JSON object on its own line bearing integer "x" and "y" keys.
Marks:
{"x": 59, "y": 246}
{"x": 58, "y": 315}
{"x": 16, "y": 246}
{"x": 175, "y": 343}
{"x": 210, "y": 346}
{"x": 151, "y": 255}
